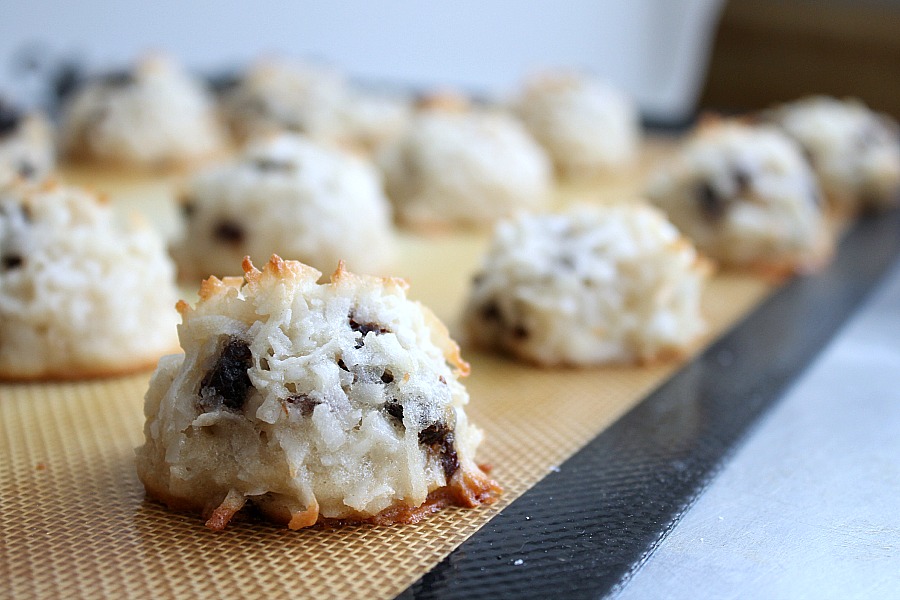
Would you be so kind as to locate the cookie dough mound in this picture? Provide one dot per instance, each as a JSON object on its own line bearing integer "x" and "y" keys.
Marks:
{"x": 313, "y": 403}
{"x": 285, "y": 195}
{"x": 588, "y": 127}
{"x": 79, "y": 296}
{"x": 464, "y": 167}
{"x": 371, "y": 118}
{"x": 156, "y": 117}
{"x": 593, "y": 285}
{"x": 26, "y": 145}
{"x": 746, "y": 197}
{"x": 854, "y": 151}
{"x": 279, "y": 95}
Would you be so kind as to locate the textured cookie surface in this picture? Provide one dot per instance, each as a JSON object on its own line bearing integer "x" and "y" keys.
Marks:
{"x": 371, "y": 118}
{"x": 156, "y": 117}
{"x": 286, "y": 195}
{"x": 855, "y": 152}
{"x": 589, "y": 286}
{"x": 587, "y": 126}
{"x": 464, "y": 167}
{"x": 746, "y": 197}
{"x": 276, "y": 95}
{"x": 315, "y": 100}
{"x": 79, "y": 296}
{"x": 312, "y": 402}
{"x": 26, "y": 145}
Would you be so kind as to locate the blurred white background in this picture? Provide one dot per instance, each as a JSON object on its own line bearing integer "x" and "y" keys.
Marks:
{"x": 654, "y": 49}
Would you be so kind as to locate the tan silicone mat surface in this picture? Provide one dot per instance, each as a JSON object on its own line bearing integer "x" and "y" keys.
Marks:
{"x": 74, "y": 521}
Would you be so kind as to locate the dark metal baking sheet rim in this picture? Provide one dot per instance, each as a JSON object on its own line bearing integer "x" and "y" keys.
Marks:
{"x": 585, "y": 528}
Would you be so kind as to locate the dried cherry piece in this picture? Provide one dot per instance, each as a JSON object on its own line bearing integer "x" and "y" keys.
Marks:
{"x": 305, "y": 403}
{"x": 118, "y": 79}
{"x": 711, "y": 203}
{"x": 520, "y": 332}
{"x": 271, "y": 165}
{"x": 229, "y": 379}
{"x": 395, "y": 409}
{"x": 439, "y": 439}
{"x": 364, "y": 328}
{"x": 12, "y": 261}
{"x": 9, "y": 118}
{"x": 229, "y": 232}
{"x": 742, "y": 180}
{"x": 26, "y": 169}
{"x": 188, "y": 208}
{"x": 491, "y": 312}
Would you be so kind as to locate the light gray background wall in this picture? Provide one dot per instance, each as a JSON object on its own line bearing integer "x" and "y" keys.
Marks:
{"x": 655, "y": 49}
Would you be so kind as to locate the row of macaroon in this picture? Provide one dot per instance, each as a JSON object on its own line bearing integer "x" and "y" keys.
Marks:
{"x": 589, "y": 286}
{"x": 157, "y": 117}
{"x": 503, "y": 154}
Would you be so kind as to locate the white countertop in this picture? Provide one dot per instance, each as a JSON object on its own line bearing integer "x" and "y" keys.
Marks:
{"x": 809, "y": 505}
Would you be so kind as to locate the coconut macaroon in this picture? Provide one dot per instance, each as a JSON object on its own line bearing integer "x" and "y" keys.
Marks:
{"x": 154, "y": 117}
{"x": 588, "y": 127}
{"x": 590, "y": 286}
{"x": 278, "y": 95}
{"x": 854, "y": 151}
{"x": 746, "y": 197}
{"x": 334, "y": 402}
{"x": 371, "y": 118}
{"x": 26, "y": 145}
{"x": 456, "y": 166}
{"x": 288, "y": 195}
{"x": 79, "y": 296}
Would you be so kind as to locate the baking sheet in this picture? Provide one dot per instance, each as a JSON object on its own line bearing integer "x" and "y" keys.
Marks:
{"x": 74, "y": 521}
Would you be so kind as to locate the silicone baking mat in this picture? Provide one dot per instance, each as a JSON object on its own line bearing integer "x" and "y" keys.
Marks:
{"x": 74, "y": 521}
{"x": 585, "y": 528}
